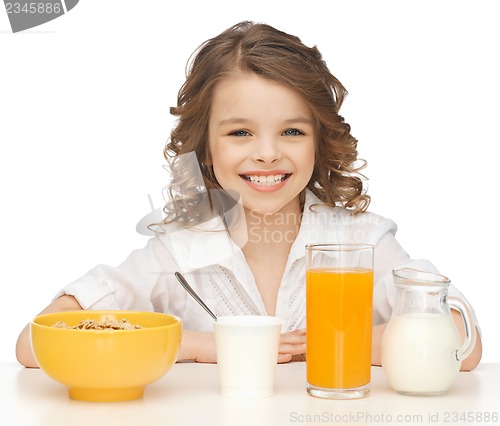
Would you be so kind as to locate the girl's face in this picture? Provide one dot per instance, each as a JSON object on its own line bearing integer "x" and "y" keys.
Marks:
{"x": 261, "y": 141}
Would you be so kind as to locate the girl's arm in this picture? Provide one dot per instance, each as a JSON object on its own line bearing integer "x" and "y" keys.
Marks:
{"x": 24, "y": 353}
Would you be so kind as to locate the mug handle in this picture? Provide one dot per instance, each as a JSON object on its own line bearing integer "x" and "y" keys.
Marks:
{"x": 465, "y": 310}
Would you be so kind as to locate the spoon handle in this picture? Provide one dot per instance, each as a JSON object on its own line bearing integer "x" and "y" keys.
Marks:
{"x": 195, "y": 296}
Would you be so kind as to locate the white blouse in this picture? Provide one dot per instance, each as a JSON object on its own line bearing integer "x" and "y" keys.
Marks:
{"x": 216, "y": 268}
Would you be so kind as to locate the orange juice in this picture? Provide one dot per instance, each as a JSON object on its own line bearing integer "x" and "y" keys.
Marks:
{"x": 339, "y": 305}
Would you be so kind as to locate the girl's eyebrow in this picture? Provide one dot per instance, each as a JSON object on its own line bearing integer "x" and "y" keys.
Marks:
{"x": 238, "y": 120}
{"x": 233, "y": 120}
{"x": 300, "y": 119}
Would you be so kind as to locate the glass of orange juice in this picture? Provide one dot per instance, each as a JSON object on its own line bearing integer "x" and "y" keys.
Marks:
{"x": 339, "y": 311}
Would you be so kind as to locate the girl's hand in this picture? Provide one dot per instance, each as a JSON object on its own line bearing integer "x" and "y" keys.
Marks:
{"x": 292, "y": 346}
{"x": 200, "y": 347}
{"x": 197, "y": 346}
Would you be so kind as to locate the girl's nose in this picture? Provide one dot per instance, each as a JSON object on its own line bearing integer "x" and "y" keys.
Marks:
{"x": 266, "y": 151}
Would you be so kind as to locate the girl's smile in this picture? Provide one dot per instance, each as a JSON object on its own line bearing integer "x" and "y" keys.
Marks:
{"x": 266, "y": 181}
{"x": 261, "y": 140}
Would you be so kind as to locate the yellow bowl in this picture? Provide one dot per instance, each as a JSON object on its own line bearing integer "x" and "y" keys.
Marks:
{"x": 106, "y": 365}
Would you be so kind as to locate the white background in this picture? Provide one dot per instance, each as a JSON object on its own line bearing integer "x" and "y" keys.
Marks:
{"x": 84, "y": 116}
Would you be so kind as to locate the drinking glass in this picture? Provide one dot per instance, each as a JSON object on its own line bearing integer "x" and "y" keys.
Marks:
{"x": 339, "y": 312}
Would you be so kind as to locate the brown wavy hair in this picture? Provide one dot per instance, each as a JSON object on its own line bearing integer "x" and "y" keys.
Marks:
{"x": 281, "y": 57}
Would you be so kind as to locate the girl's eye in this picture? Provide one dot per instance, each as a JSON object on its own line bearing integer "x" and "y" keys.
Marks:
{"x": 292, "y": 132}
{"x": 239, "y": 133}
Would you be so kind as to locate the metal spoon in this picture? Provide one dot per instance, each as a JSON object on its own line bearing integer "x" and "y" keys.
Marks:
{"x": 193, "y": 293}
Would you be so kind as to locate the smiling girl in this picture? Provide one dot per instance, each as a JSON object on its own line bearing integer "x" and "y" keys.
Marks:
{"x": 260, "y": 110}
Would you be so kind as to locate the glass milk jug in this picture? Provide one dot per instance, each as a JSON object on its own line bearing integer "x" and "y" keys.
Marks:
{"x": 421, "y": 348}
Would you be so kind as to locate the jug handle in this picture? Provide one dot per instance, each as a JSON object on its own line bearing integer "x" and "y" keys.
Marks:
{"x": 465, "y": 310}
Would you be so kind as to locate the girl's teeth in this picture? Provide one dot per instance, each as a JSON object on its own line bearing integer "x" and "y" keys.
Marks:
{"x": 267, "y": 180}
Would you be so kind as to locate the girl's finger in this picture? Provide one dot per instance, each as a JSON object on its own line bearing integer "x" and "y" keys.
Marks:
{"x": 293, "y": 337}
{"x": 282, "y": 358}
{"x": 292, "y": 349}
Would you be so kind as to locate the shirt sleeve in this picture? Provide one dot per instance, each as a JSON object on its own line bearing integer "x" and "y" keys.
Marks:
{"x": 139, "y": 283}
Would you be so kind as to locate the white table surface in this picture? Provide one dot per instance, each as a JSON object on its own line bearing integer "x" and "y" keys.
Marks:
{"x": 188, "y": 395}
